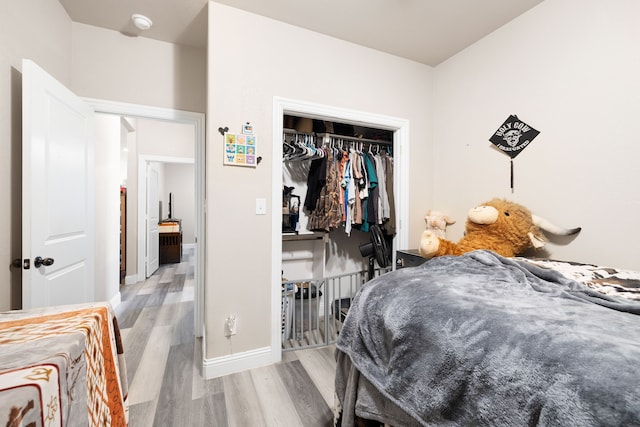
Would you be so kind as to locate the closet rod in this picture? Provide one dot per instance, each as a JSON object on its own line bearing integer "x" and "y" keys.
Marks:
{"x": 356, "y": 139}
{"x": 333, "y": 135}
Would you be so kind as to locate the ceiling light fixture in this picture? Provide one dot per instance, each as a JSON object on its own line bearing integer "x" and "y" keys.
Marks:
{"x": 141, "y": 21}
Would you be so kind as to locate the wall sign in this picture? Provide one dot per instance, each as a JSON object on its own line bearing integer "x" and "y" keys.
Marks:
{"x": 512, "y": 137}
{"x": 240, "y": 150}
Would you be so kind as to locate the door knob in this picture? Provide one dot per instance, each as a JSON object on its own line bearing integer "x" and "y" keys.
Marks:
{"x": 39, "y": 261}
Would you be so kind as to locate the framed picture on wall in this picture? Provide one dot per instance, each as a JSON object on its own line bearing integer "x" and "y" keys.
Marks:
{"x": 240, "y": 150}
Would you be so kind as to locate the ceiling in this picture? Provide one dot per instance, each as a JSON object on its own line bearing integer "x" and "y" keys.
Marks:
{"x": 426, "y": 31}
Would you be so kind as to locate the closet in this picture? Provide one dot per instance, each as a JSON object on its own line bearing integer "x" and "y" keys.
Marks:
{"x": 337, "y": 185}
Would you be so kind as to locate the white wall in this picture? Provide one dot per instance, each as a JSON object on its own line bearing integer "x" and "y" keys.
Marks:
{"x": 132, "y": 202}
{"x": 179, "y": 180}
{"x": 569, "y": 68}
{"x": 155, "y": 139}
{"x": 163, "y": 138}
{"x": 107, "y": 184}
{"x": 137, "y": 70}
{"x": 263, "y": 59}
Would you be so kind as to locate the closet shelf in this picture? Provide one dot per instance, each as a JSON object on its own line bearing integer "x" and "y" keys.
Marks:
{"x": 355, "y": 139}
{"x": 337, "y": 136}
{"x": 305, "y": 236}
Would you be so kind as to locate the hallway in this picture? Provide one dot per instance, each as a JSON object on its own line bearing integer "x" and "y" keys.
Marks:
{"x": 164, "y": 366}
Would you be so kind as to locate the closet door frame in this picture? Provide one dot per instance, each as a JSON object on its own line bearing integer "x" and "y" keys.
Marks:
{"x": 400, "y": 128}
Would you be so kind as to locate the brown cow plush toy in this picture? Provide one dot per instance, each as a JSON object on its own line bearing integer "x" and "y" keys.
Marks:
{"x": 501, "y": 226}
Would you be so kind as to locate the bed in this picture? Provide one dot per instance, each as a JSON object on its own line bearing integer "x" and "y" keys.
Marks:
{"x": 62, "y": 366}
{"x": 479, "y": 339}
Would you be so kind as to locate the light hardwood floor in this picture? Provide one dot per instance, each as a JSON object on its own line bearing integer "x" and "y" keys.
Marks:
{"x": 164, "y": 366}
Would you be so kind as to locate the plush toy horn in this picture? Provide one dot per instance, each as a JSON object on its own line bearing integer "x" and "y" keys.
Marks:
{"x": 546, "y": 225}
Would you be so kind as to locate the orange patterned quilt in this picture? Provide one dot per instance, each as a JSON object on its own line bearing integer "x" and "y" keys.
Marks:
{"x": 62, "y": 366}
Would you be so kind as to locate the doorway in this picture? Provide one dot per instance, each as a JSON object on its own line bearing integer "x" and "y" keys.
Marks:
{"x": 197, "y": 121}
{"x": 186, "y": 208}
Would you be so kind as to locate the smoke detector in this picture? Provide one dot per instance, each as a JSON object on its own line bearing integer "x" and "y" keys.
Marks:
{"x": 141, "y": 21}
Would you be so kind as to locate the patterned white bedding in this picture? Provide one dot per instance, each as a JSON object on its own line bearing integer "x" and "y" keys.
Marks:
{"x": 62, "y": 366}
{"x": 606, "y": 280}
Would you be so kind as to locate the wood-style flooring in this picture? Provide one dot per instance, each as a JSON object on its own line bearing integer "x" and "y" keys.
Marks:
{"x": 164, "y": 367}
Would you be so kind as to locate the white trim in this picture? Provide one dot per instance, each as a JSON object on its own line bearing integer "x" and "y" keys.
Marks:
{"x": 198, "y": 121}
{"x": 146, "y": 111}
{"x": 237, "y": 362}
{"x": 203, "y": 349}
{"x": 115, "y": 300}
{"x": 168, "y": 159}
{"x": 132, "y": 279}
{"x": 401, "y": 184}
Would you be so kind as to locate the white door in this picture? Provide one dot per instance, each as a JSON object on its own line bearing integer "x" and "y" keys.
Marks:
{"x": 153, "y": 218}
{"x": 57, "y": 193}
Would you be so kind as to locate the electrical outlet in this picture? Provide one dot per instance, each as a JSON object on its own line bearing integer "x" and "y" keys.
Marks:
{"x": 231, "y": 326}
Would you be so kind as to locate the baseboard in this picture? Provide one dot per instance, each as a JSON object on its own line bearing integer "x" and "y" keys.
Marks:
{"x": 188, "y": 246}
{"x": 131, "y": 280}
{"x": 238, "y": 362}
{"x": 115, "y": 300}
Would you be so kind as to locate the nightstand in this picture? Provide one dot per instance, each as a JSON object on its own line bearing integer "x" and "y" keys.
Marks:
{"x": 408, "y": 258}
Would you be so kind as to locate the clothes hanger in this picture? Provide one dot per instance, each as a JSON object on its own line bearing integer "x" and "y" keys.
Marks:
{"x": 287, "y": 149}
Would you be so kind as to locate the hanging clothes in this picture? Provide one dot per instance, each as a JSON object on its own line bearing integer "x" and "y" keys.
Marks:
{"x": 382, "y": 185}
{"x": 364, "y": 194}
{"x": 358, "y": 184}
{"x": 345, "y": 187}
{"x": 389, "y": 226}
{"x": 351, "y": 197}
{"x": 368, "y": 192}
{"x": 374, "y": 190}
{"x": 327, "y": 214}
{"x": 342, "y": 170}
{"x": 316, "y": 181}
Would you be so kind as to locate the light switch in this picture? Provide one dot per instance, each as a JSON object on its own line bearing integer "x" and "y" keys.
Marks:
{"x": 261, "y": 206}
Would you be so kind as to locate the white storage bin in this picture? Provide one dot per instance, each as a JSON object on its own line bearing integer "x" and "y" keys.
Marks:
{"x": 288, "y": 294}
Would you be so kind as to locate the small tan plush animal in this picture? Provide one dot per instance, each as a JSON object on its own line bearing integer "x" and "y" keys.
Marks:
{"x": 501, "y": 226}
{"x": 437, "y": 222}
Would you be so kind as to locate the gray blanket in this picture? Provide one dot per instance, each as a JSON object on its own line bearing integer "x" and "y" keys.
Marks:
{"x": 484, "y": 340}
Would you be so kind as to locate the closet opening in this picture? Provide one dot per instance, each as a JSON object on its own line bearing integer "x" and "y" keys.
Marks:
{"x": 399, "y": 127}
{"x": 340, "y": 222}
